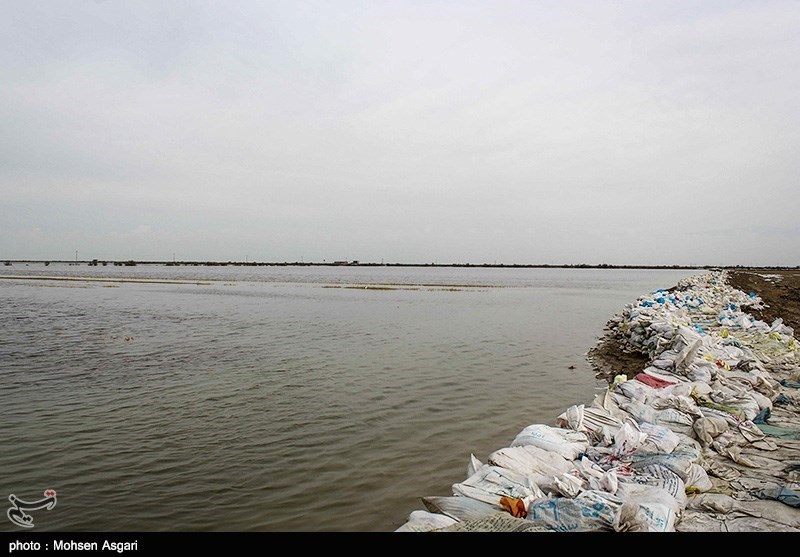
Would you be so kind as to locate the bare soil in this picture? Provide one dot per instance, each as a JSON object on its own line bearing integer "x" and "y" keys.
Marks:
{"x": 781, "y": 295}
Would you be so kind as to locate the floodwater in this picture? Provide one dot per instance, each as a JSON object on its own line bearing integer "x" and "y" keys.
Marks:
{"x": 281, "y": 398}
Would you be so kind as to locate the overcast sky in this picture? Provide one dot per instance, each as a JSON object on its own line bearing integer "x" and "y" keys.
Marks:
{"x": 529, "y": 132}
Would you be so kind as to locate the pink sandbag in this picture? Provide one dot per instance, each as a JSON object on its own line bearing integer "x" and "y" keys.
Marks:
{"x": 654, "y": 382}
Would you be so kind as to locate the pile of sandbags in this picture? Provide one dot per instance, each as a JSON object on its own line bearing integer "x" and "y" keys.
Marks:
{"x": 693, "y": 421}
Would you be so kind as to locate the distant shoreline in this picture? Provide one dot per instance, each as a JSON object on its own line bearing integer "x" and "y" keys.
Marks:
{"x": 133, "y": 263}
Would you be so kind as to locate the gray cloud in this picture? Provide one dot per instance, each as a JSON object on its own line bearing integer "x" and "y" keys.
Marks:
{"x": 625, "y": 132}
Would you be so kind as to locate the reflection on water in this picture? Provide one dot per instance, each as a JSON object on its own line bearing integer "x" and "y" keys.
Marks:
{"x": 262, "y": 400}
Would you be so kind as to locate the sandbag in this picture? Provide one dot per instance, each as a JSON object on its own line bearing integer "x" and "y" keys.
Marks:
{"x": 659, "y": 508}
{"x": 586, "y": 512}
{"x": 628, "y": 438}
{"x": 678, "y": 463}
{"x": 459, "y": 508}
{"x": 497, "y": 522}
{"x": 491, "y": 483}
{"x": 568, "y": 444}
{"x": 697, "y": 480}
{"x": 659, "y": 475}
{"x": 423, "y": 521}
{"x": 539, "y": 465}
{"x": 572, "y": 418}
{"x": 659, "y": 439}
{"x": 710, "y": 427}
{"x": 474, "y": 465}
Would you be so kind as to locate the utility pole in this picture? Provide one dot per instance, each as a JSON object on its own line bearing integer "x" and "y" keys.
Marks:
{"x": 76, "y": 257}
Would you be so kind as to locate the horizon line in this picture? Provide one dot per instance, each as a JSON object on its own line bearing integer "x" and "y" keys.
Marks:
{"x": 358, "y": 263}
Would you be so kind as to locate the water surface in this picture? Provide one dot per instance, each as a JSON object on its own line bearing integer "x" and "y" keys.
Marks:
{"x": 279, "y": 398}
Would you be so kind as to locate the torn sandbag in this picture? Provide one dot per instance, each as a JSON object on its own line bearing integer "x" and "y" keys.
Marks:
{"x": 628, "y": 438}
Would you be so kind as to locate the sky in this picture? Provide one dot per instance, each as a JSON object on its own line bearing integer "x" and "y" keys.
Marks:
{"x": 631, "y": 132}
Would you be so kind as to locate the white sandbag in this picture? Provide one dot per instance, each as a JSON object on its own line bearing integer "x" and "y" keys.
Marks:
{"x": 605, "y": 402}
{"x": 641, "y": 412}
{"x": 568, "y": 485}
{"x": 666, "y": 365}
{"x": 732, "y": 420}
{"x": 474, "y": 465}
{"x": 719, "y": 503}
{"x": 423, "y": 521}
{"x": 491, "y": 483}
{"x": 660, "y": 439}
{"x": 659, "y": 508}
{"x": 761, "y": 400}
{"x": 540, "y": 466}
{"x": 679, "y": 402}
{"x": 548, "y": 460}
{"x": 699, "y": 373}
{"x": 609, "y": 482}
{"x": 631, "y": 517}
{"x": 637, "y": 391}
{"x": 597, "y": 478}
{"x": 595, "y": 419}
{"x": 751, "y": 431}
{"x": 572, "y": 418}
{"x": 747, "y": 405}
{"x": 459, "y": 508}
{"x": 691, "y": 450}
{"x": 588, "y": 469}
{"x": 568, "y": 444}
{"x": 709, "y": 427}
{"x": 686, "y": 442}
{"x": 497, "y": 522}
{"x": 678, "y": 463}
{"x": 701, "y": 388}
{"x": 628, "y": 438}
{"x": 660, "y": 476}
{"x": 677, "y": 390}
{"x": 690, "y": 343}
{"x": 777, "y": 325}
{"x": 697, "y": 479}
{"x": 675, "y": 420}
{"x": 669, "y": 417}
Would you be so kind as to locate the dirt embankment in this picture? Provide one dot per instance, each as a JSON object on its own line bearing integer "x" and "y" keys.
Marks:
{"x": 608, "y": 359}
{"x": 780, "y": 291}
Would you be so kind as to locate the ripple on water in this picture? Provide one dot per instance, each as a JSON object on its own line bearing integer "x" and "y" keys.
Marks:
{"x": 280, "y": 405}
